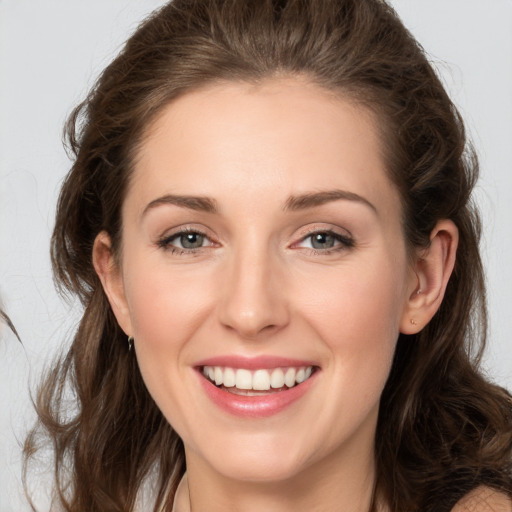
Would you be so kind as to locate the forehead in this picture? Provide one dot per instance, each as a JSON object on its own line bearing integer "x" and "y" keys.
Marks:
{"x": 285, "y": 135}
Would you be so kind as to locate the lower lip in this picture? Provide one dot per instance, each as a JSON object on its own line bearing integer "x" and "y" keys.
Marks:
{"x": 260, "y": 406}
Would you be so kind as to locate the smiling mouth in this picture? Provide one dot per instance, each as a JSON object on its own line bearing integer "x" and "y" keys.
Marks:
{"x": 241, "y": 381}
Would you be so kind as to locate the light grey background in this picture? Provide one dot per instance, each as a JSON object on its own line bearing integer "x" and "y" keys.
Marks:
{"x": 50, "y": 53}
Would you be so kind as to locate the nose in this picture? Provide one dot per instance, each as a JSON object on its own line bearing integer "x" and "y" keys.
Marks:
{"x": 254, "y": 298}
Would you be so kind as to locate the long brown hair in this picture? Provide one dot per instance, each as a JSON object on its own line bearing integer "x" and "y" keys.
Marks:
{"x": 443, "y": 429}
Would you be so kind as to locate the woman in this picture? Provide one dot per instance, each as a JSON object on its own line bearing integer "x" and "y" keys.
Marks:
{"x": 269, "y": 224}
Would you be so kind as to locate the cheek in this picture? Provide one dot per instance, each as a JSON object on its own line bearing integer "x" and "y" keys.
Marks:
{"x": 166, "y": 309}
{"x": 356, "y": 312}
{"x": 356, "y": 299}
{"x": 163, "y": 305}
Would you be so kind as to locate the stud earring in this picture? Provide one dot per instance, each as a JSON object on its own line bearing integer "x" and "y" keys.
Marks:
{"x": 413, "y": 322}
{"x": 130, "y": 343}
{"x": 419, "y": 291}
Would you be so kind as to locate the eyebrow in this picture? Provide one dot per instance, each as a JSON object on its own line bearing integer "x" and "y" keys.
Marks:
{"x": 293, "y": 203}
{"x": 198, "y": 203}
{"x": 312, "y": 199}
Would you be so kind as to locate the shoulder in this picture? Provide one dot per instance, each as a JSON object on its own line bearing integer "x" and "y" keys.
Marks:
{"x": 484, "y": 499}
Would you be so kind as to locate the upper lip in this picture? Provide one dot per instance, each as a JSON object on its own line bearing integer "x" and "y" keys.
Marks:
{"x": 254, "y": 363}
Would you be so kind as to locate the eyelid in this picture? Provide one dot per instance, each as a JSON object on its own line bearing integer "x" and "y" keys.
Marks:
{"x": 343, "y": 236}
{"x": 164, "y": 241}
{"x": 323, "y": 228}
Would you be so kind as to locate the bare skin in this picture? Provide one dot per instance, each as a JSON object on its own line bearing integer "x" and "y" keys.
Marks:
{"x": 260, "y": 221}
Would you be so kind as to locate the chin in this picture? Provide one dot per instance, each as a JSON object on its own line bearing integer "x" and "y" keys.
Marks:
{"x": 258, "y": 462}
{"x": 256, "y": 470}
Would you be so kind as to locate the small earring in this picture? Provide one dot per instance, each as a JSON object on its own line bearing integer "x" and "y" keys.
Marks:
{"x": 130, "y": 343}
{"x": 413, "y": 322}
{"x": 419, "y": 291}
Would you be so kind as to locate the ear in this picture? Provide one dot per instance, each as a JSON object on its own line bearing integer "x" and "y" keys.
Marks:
{"x": 432, "y": 269}
{"x": 111, "y": 279}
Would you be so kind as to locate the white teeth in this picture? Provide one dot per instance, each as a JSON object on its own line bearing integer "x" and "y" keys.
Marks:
{"x": 289, "y": 377}
{"x": 243, "y": 379}
{"x": 258, "y": 380}
{"x": 218, "y": 376}
{"x": 229, "y": 377}
{"x": 277, "y": 379}
{"x": 261, "y": 380}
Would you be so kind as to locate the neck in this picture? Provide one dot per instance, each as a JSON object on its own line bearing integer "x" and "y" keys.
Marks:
{"x": 323, "y": 487}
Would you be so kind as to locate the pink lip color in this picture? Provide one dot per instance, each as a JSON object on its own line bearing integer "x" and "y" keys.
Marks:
{"x": 254, "y": 363}
{"x": 255, "y": 406}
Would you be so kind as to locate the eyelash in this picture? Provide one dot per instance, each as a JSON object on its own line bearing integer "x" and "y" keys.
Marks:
{"x": 165, "y": 242}
{"x": 345, "y": 242}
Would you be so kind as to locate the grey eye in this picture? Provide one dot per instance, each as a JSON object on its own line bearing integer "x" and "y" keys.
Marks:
{"x": 191, "y": 240}
{"x": 322, "y": 241}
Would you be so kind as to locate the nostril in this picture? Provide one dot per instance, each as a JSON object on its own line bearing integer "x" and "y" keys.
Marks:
{"x": 253, "y": 304}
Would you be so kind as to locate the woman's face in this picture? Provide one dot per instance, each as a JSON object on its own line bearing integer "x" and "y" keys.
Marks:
{"x": 262, "y": 245}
